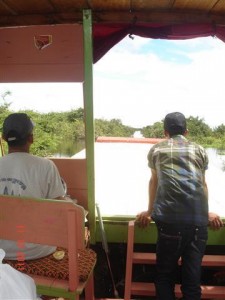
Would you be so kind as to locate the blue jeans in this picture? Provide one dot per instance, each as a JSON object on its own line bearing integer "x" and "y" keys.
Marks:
{"x": 177, "y": 241}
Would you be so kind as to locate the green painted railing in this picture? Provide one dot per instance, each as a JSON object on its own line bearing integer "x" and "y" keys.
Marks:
{"x": 116, "y": 232}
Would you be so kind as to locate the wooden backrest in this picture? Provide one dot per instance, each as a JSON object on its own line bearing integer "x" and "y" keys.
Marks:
{"x": 48, "y": 222}
{"x": 74, "y": 172}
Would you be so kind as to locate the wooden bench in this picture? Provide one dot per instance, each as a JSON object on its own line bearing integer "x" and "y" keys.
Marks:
{"x": 51, "y": 222}
{"x": 148, "y": 289}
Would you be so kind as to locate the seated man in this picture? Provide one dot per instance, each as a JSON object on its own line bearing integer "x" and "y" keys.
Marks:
{"x": 23, "y": 174}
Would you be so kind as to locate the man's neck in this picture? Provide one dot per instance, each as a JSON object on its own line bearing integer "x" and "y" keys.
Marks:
{"x": 18, "y": 149}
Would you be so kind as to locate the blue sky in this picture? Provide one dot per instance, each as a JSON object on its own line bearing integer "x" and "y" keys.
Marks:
{"x": 139, "y": 81}
{"x": 175, "y": 51}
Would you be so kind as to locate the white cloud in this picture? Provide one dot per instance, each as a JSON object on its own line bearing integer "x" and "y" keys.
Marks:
{"x": 44, "y": 97}
{"x": 141, "y": 88}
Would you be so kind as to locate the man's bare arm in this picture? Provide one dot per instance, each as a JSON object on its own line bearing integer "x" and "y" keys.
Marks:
{"x": 153, "y": 184}
{"x": 144, "y": 218}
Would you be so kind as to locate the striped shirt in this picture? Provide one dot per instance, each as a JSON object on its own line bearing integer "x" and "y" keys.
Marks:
{"x": 180, "y": 166}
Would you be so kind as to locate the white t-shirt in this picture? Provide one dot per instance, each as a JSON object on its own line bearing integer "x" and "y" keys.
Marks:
{"x": 23, "y": 174}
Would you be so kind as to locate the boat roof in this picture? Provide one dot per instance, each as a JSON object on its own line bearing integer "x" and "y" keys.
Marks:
{"x": 46, "y": 12}
{"x": 21, "y": 21}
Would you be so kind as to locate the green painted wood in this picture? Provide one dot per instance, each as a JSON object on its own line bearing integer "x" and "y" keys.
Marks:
{"x": 216, "y": 237}
{"x": 89, "y": 117}
{"x": 116, "y": 232}
{"x": 42, "y": 290}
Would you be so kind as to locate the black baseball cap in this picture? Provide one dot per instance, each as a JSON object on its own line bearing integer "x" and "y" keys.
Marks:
{"x": 175, "y": 122}
{"x": 17, "y": 127}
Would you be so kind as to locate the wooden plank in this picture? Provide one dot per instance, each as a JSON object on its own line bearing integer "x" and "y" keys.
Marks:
{"x": 153, "y": 4}
{"x": 23, "y": 12}
{"x": 219, "y": 7}
{"x": 215, "y": 292}
{"x": 35, "y": 215}
{"x": 144, "y": 258}
{"x": 200, "y": 5}
{"x": 148, "y": 289}
{"x": 213, "y": 261}
{"x": 60, "y": 59}
{"x": 142, "y": 288}
{"x": 74, "y": 173}
{"x": 160, "y": 17}
{"x": 150, "y": 258}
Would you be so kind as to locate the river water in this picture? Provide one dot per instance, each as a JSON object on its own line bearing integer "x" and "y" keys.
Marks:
{"x": 122, "y": 175}
{"x": 215, "y": 176}
{"x": 69, "y": 148}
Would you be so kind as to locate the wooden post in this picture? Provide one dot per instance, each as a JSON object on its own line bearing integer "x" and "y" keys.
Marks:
{"x": 89, "y": 117}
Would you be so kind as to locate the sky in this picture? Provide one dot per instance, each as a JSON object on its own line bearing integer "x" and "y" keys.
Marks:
{"x": 139, "y": 81}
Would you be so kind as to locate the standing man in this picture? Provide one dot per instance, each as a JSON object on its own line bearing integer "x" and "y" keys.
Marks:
{"x": 23, "y": 174}
{"x": 178, "y": 203}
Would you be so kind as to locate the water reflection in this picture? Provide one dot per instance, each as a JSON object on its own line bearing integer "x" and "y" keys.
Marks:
{"x": 70, "y": 148}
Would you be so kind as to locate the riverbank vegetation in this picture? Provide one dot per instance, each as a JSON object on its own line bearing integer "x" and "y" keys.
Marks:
{"x": 198, "y": 131}
{"x": 62, "y": 132}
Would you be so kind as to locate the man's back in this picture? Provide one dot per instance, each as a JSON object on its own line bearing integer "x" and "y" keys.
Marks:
{"x": 23, "y": 174}
{"x": 178, "y": 203}
{"x": 180, "y": 167}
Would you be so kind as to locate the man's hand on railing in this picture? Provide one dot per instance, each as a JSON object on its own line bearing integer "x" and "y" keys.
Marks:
{"x": 215, "y": 221}
{"x": 143, "y": 219}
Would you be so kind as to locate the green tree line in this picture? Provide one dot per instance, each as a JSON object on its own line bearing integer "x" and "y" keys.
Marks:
{"x": 55, "y": 130}
{"x": 198, "y": 131}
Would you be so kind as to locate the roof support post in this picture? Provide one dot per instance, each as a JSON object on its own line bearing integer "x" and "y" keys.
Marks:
{"x": 89, "y": 117}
